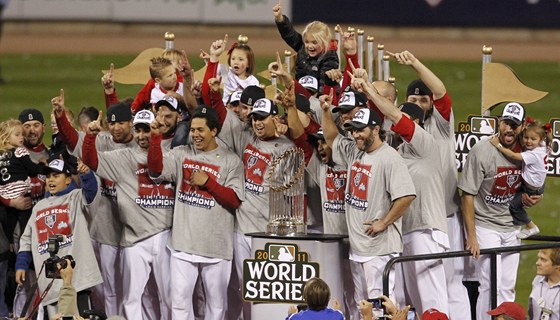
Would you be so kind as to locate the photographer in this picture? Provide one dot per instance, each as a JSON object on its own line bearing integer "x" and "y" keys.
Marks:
{"x": 316, "y": 294}
{"x": 58, "y": 222}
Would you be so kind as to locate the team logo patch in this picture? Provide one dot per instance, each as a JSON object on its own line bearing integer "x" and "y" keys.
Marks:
{"x": 357, "y": 179}
{"x": 416, "y": 91}
{"x": 251, "y": 161}
{"x": 50, "y": 220}
{"x": 512, "y": 179}
{"x": 30, "y": 117}
{"x": 113, "y": 118}
{"x": 338, "y": 183}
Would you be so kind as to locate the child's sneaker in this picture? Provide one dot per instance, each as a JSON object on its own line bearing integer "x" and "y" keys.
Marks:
{"x": 526, "y": 233}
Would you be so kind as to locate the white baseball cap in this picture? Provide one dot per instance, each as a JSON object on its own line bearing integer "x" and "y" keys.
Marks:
{"x": 309, "y": 83}
{"x": 235, "y": 97}
{"x": 145, "y": 117}
{"x": 169, "y": 102}
{"x": 363, "y": 118}
{"x": 264, "y": 107}
{"x": 515, "y": 112}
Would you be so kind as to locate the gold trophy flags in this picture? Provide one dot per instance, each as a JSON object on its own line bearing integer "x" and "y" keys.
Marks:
{"x": 138, "y": 71}
{"x": 501, "y": 84}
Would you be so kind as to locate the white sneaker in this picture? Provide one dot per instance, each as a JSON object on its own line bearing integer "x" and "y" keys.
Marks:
{"x": 526, "y": 233}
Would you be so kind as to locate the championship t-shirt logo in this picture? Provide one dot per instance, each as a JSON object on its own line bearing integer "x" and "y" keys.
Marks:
{"x": 191, "y": 194}
{"x": 108, "y": 189}
{"x": 51, "y": 221}
{"x": 335, "y": 187}
{"x": 357, "y": 193}
{"x": 256, "y": 165}
{"x": 151, "y": 194}
{"x": 506, "y": 182}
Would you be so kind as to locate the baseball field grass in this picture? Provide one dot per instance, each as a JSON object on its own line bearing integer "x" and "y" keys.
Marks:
{"x": 32, "y": 80}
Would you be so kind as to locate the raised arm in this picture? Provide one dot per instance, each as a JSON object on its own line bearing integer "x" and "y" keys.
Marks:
{"x": 383, "y": 104}
{"x": 108, "y": 83}
{"x": 330, "y": 130}
{"x": 187, "y": 72}
{"x": 424, "y": 73}
{"x": 68, "y": 134}
{"x": 89, "y": 152}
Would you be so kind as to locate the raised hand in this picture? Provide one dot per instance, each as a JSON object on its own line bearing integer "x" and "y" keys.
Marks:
{"x": 108, "y": 81}
{"x": 281, "y": 128}
{"x": 94, "y": 127}
{"x": 185, "y": 69}
{"x": 214, "y": 84}
{"x": 358, "y": 72}
{"x": 155, "y": 125}
{"x": 349, "y": 43}
{"x": 217, "y": 48}
{"x": 82, "y": 168}
{"x": 277, "y": 10}
{"x": 334, "y": 74}
{"x": 204, "y": 56}
{"x": 58, "y": 104}
{"x": 326, "y": 100}
{"x": 404, "y": 57}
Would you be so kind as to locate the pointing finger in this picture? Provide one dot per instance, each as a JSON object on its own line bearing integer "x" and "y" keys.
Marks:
{"x": 100, "y": 116}
{"x": 111, "y": 69}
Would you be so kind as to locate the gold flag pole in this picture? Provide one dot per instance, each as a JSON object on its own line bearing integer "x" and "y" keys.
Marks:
{"x": 486, "y": 58}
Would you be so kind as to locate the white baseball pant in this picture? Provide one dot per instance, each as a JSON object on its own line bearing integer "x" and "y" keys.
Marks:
{"x": 506, "y": 268}
{"x": 215, "y": 278}
{"x": 138, "y": 261}
{"x": 107, "y": 258}
{"x": 424, "y": 281}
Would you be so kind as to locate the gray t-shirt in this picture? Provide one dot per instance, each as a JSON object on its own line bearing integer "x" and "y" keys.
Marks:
{"x": 145, "y": 207}
{"x": 493, "y": 179}
{"x": 201, "y": 225}
{"x": 63, "y": 215}
{"x": 375, "y": 180}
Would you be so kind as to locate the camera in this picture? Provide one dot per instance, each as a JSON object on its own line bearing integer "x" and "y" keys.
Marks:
{"x": 51, "y": 268}
{"x": 301, "y": 307}
{"x": 378, "y": 307}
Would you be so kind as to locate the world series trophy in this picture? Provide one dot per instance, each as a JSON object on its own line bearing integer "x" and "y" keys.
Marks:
{"x": 286, "y": 205}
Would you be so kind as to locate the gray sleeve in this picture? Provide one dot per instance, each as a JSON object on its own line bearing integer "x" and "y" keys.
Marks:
{"x": 473, "y": 173}
{"x": 313, "y": 167}
{"x": 344, "y": 150}
{"x": 108, "y": 166}
{"x": 399, "y": 181}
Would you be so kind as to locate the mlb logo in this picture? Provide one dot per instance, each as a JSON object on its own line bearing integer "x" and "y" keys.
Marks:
{"x": 50, "y": 220}
{"x": 284, "y": 253}
{"x": 483, "y": 125}
{"x": 556, "y": 128}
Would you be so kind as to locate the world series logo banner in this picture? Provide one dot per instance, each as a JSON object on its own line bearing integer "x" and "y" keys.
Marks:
{"x": 277, "y": 273}
{"x": 477, "y": 128}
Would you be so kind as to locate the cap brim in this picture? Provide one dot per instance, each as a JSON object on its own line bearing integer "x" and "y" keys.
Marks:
{"x": 495, "y": 312}
{"x": 47, "y": 170}
{"x": 512, "y": 119}
{"x": 142, "y": 124}
{"x": 259, "y": 113}
{"x": 167, "y": 104}
{"x": 354, "y": 125}
{"x": 343, "y": 107}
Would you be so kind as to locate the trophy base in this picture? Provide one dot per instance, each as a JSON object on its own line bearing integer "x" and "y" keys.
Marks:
{"x": 285, "y": 228}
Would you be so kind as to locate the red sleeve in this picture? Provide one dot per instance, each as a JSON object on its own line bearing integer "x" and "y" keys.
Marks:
{"x": 346, "y": 80}
{"x": 225, "y": 196}
{"x": 143, "y": 96}
{"x": 301, "y": 142}
{"x": 373, "y": 107}
{"x": 217, "y": 104}
{"x": 443, "y": 105}
{"x": 89, "y": 153}
{"x": 336, "y": 94}
{"x": 68, "y": 134}
{"x": 111, "y": 99}
{"x": 5, "y": 202}
{"x": 300, "y": 89}
{"x": 312, "y": 127}
{"x": 211, "y": 71}
{"x": 155, "y": 155}
{"x": 405, "y": 127}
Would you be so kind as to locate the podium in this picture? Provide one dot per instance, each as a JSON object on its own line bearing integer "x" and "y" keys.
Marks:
{"x": 274, "y": 278}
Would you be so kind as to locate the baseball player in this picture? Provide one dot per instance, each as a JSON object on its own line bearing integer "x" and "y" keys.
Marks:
{"x": 210, "y": 189}
{"x": 489, "y": 183}
{"x": 430, "y": 94}
{"x": 425, "y": 225}
{"x": 145, "y": 212}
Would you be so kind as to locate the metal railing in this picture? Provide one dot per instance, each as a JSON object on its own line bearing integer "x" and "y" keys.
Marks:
{"x": 493, "y": 252}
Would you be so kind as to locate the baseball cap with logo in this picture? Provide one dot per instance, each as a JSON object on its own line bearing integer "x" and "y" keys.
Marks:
{"x": 251, "y": 94}
{"x": 512, "y": 309}
{"x": 363, "y": 118}
{"x": 413, "y": 110}
{"x": 30, "y": 115}
{"x": 59, "y": 166}
{"x": 264, "y": 108}
{"x": 434, "y": 314}
{"x": 314, "y": 137}
{"x": 310, "y": 83}
{"x": 169, "y": 102}
{"x": 234, "y": 98}
{"x": 119, "y": 112}
{"x": 143, "y": 118}
{"x": 350, "y": 100}
{"x": 515, "y": 112}
{"x": 418, "y": 88}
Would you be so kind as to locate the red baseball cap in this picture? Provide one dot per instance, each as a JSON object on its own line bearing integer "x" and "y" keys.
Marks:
{"x": 434, "y": 314}
{"x": 512, "y": 309}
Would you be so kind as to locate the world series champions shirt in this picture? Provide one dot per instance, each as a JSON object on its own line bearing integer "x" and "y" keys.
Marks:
{"x": 145, "y": 207}
{"x": 494, "y": 180}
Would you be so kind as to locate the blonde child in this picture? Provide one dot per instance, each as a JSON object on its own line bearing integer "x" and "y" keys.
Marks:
{"x": 241, "y": 62}
{"x": 315, "y": 47}
{"x": 15, "y": 169}
{"x": 536, "y": 139}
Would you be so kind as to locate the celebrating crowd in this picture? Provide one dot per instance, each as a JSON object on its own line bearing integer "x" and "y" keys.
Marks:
{"x": 155, "y": 195}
